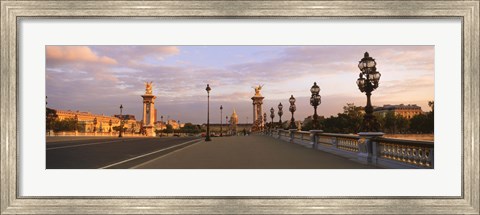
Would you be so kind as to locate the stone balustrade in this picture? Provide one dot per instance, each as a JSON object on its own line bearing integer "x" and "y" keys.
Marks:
{"x": 409, "y": 152}
{"x": 366, "y": 148}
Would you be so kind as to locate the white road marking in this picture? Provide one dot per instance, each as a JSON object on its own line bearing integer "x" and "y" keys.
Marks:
{"x": 150, "y": 161}
{"x": 140, "y": 156}
{"x": 87, "y": 144}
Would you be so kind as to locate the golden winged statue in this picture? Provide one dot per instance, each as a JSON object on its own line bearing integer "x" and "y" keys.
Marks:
{"x": 148, "y": 87}
{"x": 257, "y": 89}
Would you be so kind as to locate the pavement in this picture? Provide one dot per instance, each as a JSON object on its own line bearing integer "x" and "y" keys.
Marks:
{"x": 249, "y": 152}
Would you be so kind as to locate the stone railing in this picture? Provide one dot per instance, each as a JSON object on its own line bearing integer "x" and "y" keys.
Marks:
{"x": 406, "y": 152}
{"x": 282, "y": 134}
{"x": 368, "y": 148}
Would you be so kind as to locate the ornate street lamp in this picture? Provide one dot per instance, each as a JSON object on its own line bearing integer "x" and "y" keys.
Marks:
{"x": 121, "y": 121}
{"x": 264, "y": 122}
{"x": 368, "y": 84}
{"x": 292, "y": 109}
{"x": 272, "y": 114}
{"x": 315, "y": 100}
{"x": 163, "y": 125}
{"x": 95, "y": 124}
{"x": 208, "y": 113}
{"x": 280, "y": 113}
{"x": 221, "y": 123}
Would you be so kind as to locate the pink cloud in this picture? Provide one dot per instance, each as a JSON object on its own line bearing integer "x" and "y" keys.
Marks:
{"x": 135, "y": 55}
{"x": 76, "y": 54}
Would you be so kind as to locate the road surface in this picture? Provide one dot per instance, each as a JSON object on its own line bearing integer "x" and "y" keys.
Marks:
{"x": 108, "y": 152}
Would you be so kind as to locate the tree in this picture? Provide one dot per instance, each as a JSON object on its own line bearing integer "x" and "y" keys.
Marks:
{"x": 431, "y": 104}
{"x": 424, "y": 123}
{"x": 64, "y": 125}
{"x": 168, "y": 129}
{"x": 118, "y": 128}
{"x": 51, "y": 116}
{"x": 418, "y": 124}
{"x": 189, "y": 128}
{"x": 347, "y": 122}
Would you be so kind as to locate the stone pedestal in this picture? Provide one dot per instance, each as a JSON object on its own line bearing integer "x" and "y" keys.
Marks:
{"x": 313, "y": 137}
{"x": 367, "y": 151}
{"x": 149, "y": 131}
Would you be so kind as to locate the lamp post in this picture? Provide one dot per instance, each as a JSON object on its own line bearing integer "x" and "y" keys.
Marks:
{"x": 272, "y": 114}
{"x": 292, "y": 109}
{"x": 208, "y": 113}
{"x": 221, "y": 122}
{"x": 163, "y": 124}
{"x": 121, "y": 122}
{"x": 367, "y": 66}
{"x": 110, "y": 124}
{"x": 95, "y": 124}
{"x": 226, "y": 122}
{"x": 315, "y": 100}
{"x": 264, "y": 122}
{"x": 280, "y": 113}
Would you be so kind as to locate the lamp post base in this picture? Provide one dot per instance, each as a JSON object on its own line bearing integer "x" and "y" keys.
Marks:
{"x": 367, "y": 149}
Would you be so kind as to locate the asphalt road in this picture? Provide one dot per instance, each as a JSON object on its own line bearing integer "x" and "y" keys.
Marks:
{"x": 109, "y": 152}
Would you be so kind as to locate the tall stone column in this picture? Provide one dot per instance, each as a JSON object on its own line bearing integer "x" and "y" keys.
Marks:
{"x": 257, "y": 113}
{"x": 148, "y": 110}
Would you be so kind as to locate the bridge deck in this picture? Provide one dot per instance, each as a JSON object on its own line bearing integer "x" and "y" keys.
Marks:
{"x": 250, "y": 152}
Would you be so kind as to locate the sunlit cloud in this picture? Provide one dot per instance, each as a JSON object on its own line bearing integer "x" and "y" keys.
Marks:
{"x": 75, "y": 54}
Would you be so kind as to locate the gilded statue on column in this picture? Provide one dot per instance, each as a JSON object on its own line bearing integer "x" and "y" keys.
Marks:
{"x": 257, "y": 90}
{"x": 148, "y": 87}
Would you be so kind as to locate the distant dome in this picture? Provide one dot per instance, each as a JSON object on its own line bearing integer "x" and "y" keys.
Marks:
{"x": 234, "y": 118}
{"x": 234, "y": 114}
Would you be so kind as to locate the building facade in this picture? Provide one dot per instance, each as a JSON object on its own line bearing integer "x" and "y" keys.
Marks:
{"x": 406, "y": 111}
{"x": 89, "y": 122}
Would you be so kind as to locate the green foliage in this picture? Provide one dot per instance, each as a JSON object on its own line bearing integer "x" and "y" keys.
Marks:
{"x": 391, "y": 123}
{"x": 349, "y": 121}
{"x": 51, "y": 116}
{"x": 190, "y": 128}
{"x": 64, "y": 125}
{"x": 422, "y": 123}
{"x": 168, "y": 129}
{"x": 118, "y": 128}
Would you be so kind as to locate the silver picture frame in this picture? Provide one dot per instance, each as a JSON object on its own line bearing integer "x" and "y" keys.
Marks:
{"x": 12, "y": 203}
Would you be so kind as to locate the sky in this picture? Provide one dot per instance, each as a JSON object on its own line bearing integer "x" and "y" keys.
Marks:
{"x": 100, "y": 78}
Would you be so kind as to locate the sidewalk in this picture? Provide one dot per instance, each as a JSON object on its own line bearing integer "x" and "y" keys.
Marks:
{"x": 250, "y": 152}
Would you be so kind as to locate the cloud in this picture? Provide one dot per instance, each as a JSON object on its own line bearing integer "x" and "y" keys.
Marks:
{"x": 75, "y": 54}
{"x": 134, "y": 55}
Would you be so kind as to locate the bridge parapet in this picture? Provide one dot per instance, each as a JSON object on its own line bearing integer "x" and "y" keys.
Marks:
{"x": 375, "y": 150}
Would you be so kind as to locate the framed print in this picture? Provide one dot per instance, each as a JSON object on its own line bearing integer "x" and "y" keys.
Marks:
{"x": 164, "y": 107}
